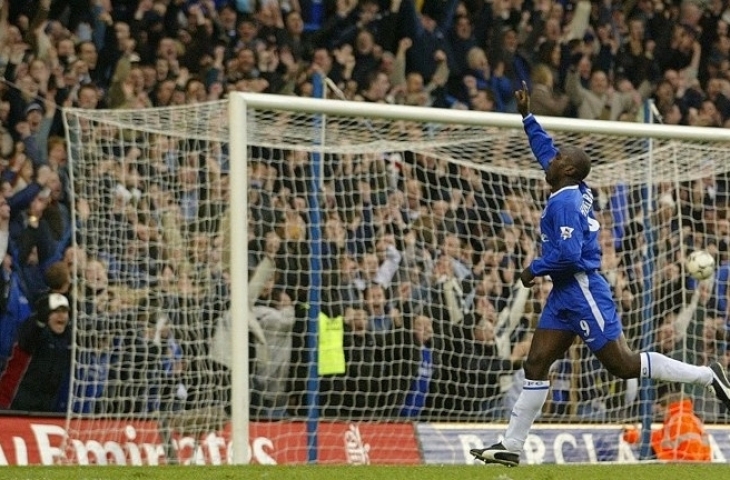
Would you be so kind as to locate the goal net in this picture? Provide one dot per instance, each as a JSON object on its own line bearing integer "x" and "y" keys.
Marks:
{"x": 383, "y": 253}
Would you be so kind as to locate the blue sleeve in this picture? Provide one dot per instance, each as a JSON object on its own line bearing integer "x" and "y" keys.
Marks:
{"x": 502, "y": 88}
{"x": 562, "y": 252}
{"x": 98, "y": 33}
{"x": 21, "y": 200}
{"x": 540, "y": 142}
{"x": 31, "y": 150}
{"x": 409, "y": 23}
{"x": 212, "y": 76}
{"x": 448, "y": 19}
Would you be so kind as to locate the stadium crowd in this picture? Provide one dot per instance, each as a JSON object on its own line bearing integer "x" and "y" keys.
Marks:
{"x": 419, "y": 265}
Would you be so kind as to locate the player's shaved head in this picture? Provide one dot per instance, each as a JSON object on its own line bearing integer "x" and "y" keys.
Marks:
{"x": 569, "y": 167}
{"x": 578, "y": 159}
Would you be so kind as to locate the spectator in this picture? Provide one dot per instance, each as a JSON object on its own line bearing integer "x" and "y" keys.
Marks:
{"x": 544, "y": 99}
{"x": 20, "y": 170}
{"x": 449, "y": 333}
{"x": 38, "y": 369}
{"x": 6, "y": 138}
{"x": 92, "y": 373}
{"x": 94, "y": 288}
{"x": 220, "y": 348}
{"x": 682, "y": 54}
{"x": 375, "y": 88}
{"x": 600, "y": 101}
{"x": 422, "y": 384}
{"x": 635, "y": 58}
{"x": 461, "y": 41}
{"x": 87, "y": 53}
{"x": 349, "y": 289}
{"x": 550, "y": 54}
{"x": 480, "y": 75}
{"x": 34, "y": 132}
{"x": 360, "y": 386}
{"x": 14, "y": 305}
{"x": 246, "y": 33}
{"x": 276, "y": 316}
{"x": 58, "y": 278}
{"x": 484, "y": 364}
{"x": 675, "y": 326}
{"x": 428, "y": 30}
{"x": 167, "y": 391}
{"x": 511, "y": 390}
{"x": 38, "y": 248}
{"x": 348, "y": 21}
{"x": 717, "y": 92}
{"x": 295, "y": 38}
{"x": 381, "y": 318}
{"x": 682, "y": 436}
{"x": 505, "y": 49}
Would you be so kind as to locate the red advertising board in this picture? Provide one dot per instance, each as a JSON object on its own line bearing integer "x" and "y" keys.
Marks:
{"x": 43, "y": 441}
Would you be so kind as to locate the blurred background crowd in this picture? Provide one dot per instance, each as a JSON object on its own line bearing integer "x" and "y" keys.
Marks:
{"x": 419, "y": 262}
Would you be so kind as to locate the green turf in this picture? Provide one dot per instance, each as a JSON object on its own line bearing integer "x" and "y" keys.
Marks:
{"x": 477, "y": 472}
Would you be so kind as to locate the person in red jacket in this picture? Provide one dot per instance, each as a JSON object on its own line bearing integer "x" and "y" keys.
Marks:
{"x": 40, "y": 363}
{"x": 682, "y": 437}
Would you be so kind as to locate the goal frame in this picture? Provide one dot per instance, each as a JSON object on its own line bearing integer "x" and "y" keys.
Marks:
{"x": 239, "y": 105}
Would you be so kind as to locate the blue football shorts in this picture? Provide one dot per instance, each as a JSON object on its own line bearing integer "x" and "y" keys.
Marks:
{"x": 585, "y": 306}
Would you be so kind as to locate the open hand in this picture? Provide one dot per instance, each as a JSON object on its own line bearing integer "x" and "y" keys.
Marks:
{"x": 523, "y": 100}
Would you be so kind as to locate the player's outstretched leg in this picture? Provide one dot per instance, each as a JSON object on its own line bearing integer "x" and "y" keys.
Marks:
{"x": 720, "y": 383}
{"x": 496, "y": 453}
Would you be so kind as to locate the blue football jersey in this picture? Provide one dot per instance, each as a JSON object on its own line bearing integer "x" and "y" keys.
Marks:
{"x": 568, "y": 228}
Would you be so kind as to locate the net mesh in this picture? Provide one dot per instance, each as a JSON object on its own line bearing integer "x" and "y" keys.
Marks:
{"x": 425, "y": 228}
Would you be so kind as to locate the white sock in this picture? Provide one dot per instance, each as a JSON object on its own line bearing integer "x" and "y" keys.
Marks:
{"x": 660, "y": 367}
{"x": 526, "y": 409}
{"x": 632, "y": 391}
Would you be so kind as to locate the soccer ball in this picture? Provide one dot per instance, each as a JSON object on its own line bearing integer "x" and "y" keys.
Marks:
{"x": 700, "y": 265}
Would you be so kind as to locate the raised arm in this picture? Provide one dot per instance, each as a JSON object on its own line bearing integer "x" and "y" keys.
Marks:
{"x": 688, "y": 311}
{"x": 540, "y": 142}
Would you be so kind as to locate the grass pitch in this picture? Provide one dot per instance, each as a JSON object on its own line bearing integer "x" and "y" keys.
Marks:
{"x": 475, "y": 472}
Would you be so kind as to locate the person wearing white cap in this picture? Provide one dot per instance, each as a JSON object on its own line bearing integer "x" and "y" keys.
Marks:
{"x": 40, "y": 363}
